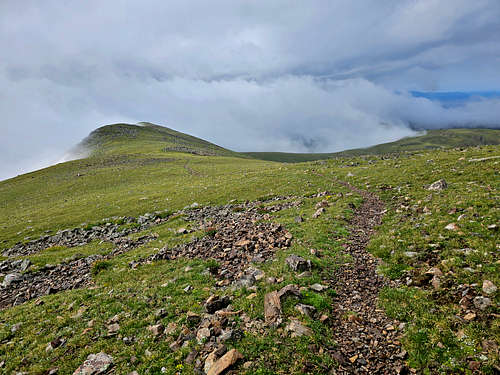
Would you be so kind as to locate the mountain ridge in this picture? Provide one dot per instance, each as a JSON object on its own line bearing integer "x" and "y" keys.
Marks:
{"x": 159, "y": 261}
{"x": 433, "y": 139}
{"x": 110, "y": 139}
{"x": 107, "y": 139}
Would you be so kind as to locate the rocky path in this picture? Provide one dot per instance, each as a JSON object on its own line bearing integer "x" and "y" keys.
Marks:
{"x": 368, "y": 341}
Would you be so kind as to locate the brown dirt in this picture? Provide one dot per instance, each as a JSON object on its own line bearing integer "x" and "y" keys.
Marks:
{"x": 368, "y": 341}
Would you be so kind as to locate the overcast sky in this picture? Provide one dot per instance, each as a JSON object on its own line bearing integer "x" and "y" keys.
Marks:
{"x": 280, "y": 75}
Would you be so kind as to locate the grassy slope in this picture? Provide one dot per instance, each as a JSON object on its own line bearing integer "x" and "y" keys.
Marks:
{"x": 433, "y": 139}
{"x": 112, "y": 183}
{"x": 144, "y": 138}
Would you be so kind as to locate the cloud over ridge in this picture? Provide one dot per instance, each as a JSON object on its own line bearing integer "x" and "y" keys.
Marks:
{"x": 286, "y": 75}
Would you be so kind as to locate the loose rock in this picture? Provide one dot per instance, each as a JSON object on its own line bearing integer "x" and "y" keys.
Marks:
{"x": 226, "y": 361}
{"x": 489, "y": 287}
{"x": 95, "y": 364}
{"x": 318, "y": 287}
{"x": 156, "y": 329}
{"x": 307, "y": 310}
{"x": 482, "y": 302}
{"x": 297, "y": 263}
{"x": 215, "y": 303}
{"x": 272, "y": 309}
{"x": 297, "y": 329}
{"x": 438, "y": 185}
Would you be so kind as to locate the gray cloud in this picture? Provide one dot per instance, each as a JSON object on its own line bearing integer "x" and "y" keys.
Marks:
{"x": 281, "y": 75}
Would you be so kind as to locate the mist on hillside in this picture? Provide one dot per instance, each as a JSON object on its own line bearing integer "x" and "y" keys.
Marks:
{"x": 293, "y": 114}
{"x": 249, "y": 76}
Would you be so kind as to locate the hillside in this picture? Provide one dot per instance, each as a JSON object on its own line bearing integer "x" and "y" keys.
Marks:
{"x": 163, "y": 253}
{"x": 433, "y": 139}
{"x": 144, "y": 138}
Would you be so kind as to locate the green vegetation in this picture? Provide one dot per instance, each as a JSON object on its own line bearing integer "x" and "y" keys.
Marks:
{"x": 130, "y": 173}
{"x": 121, "y": 139}
{"x": 433, "y": 139}
{"x": 288, "y": 157}
{"x": 59, "y": 254}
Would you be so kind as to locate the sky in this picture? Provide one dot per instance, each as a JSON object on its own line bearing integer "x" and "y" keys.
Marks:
{"x": 281, "y": 75}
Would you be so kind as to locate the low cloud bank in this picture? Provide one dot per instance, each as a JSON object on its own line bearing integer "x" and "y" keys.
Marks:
{"x": 290, "y": 113}
{"x": 284, "y": 75}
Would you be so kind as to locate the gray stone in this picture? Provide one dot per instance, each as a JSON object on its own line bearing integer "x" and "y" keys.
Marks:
{"x": 297, "y": 329}
{"x": 489, "y": 287}
{"x": 246, "y": 281}
{"x": 113, "y": 329}
{"x": 213, "y": 356}
{"x": 304, "y": 274}
{"x": 16, "y": 327}
{"x": 438, "y": 185}
{"x": 95, "y": 364}
{"x": 297, "y": 263}
{"x": 226, "y": 335}
{"x": 318, "y": 287}
{"x": 290, "y": 289}
{"x": 307, "y": 310}
{"x": 256, "y": 273}
{"x": 26, "y": 263}
{"x": 11, "y": 278}
{"x": 226, "y": 361}
{"x": 272, "y": 309}
{"x": 156, "y": 329}
{"x": 318, "y": 212}
{"x": 192, "y": 318}
{"x": 203, "y": 334}
{"x": 482, "y": 302}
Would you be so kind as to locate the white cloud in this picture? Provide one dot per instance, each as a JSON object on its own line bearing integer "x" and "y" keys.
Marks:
{"x": 281, "y": 75}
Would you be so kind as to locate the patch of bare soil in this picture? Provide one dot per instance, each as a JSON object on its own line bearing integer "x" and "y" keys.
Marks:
{"x": 368, "y": 341}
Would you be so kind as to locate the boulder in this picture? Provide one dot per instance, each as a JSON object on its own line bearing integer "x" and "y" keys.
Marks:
{"x": 307, "y": 310}
{"x": 297, "y": 263}
{"x": 272, "y": 309}
{"x": 297, "y": 329}
{"x": 11, "y": 278}
{"x": 438, "y": 185}
{"x": 216, "y": 303}
{"x": 226, "y": 361}
{"x": 156, "y": 330}
{"x": 95, "y": 364}
{"x": 482, "y": 302}
{"x": 489, "y": 287}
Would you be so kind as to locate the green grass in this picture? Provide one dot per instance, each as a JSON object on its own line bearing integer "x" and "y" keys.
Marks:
{"x": 416, "y": 222}
{"x": 433, "y": 139}
{"x": 136, "y": 295}
{"x": 119, "y": 139}
{"x": 130, "y": 173}
{"x": 59, "y": 254}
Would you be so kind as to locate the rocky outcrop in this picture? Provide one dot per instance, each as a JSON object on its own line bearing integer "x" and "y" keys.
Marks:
{"x": 110, "y": 231}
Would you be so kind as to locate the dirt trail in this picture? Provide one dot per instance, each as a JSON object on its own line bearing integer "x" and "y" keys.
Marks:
{"x": 190, "y": 170}
{"x": 368, "y": 341}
